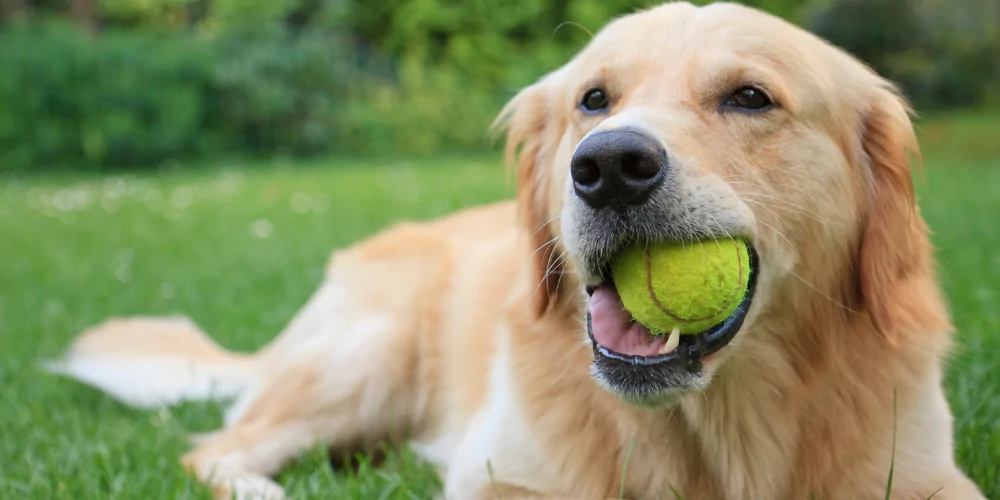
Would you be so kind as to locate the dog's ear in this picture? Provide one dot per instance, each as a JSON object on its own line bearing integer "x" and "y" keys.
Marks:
{"x": 533, "y": 129}
{"x": 895, "y": 247}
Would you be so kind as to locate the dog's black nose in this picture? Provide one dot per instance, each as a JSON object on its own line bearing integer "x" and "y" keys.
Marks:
{"x": 618, "y": 168}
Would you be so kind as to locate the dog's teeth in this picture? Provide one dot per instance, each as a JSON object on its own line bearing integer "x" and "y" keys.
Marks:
{"x": 672, "y": 341}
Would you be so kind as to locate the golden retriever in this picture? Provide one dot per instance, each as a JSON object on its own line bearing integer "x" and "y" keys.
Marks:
{"x": 494, "y": 344}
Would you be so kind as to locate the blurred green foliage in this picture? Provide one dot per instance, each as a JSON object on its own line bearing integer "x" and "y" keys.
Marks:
{"x": 123, "y": 97}
{"x": 137, "y": 82}
{"x": 943, "y": 53}
{"x": 276, "y": 92}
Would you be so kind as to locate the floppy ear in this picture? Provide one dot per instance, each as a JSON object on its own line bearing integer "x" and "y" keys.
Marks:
{"x": 895, "y": 247}
{"x": 533, "y": 129}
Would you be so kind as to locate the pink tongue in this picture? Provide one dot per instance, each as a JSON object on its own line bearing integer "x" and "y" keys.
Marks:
{"x": 613, "y": 328}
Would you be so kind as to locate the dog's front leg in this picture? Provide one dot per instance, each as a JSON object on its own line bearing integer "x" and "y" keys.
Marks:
{"x": 346, "y": 383}
{"x": 302, "y": 406}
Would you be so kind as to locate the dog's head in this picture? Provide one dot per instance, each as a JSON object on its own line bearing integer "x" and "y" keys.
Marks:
{"x": 685, "y": 124}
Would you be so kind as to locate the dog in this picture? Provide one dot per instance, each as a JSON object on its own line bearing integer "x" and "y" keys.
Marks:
{"x": 493, "y": 340}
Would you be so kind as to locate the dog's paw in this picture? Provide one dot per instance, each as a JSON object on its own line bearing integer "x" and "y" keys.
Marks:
{"x": 247, "y": 487}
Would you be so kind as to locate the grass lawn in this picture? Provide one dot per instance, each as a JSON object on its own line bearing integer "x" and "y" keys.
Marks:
{"x": 239, "y": 250}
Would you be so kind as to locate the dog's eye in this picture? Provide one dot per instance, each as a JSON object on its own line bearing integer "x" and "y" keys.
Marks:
{"x": 749, "y": 98}
{"x": 594, "y": 100}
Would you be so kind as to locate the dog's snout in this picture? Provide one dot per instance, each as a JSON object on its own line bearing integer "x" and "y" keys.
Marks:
{"x": 618, "y": 168}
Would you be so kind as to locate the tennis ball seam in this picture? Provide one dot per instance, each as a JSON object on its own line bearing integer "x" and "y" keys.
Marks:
{"x": 674, "y": 316}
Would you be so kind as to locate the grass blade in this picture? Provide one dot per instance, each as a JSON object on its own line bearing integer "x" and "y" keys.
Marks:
{"x": 892, "y": 462}
{"x": 628, "y": 455}
{"x": 676, "y": 494}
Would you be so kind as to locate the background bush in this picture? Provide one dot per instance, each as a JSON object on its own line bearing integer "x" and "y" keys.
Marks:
{"x": 942, "y": 53}
{"x": 122, "y": 98}
{"x": 277, "y": 92}
{"x": 134, "y": 83}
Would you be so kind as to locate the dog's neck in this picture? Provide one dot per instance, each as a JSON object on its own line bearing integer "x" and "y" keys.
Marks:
{"x": 805, "y": 383}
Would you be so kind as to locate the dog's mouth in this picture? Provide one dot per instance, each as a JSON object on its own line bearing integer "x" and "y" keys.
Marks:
{"x": 617, "y": 338}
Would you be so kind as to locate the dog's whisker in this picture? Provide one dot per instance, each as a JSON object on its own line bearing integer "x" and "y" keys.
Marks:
{"x": 550, "y": 268}
{"x": 546, "y": 223}
{"x": 792, "y": 210}
{"x": 805, "y": 281}
{"x": 779, "y": 233}
{"x": 722, "y": 229}
{"x": 774, "y": 193}
{"x": 572, "y": 23}
{"x": 559, "y": 281}
{"x": 751, "y": 184}
{"x": 822, "y": 293}
{"x": 774, "y": 198}
{"x": 562, "y": 259}
{"x": 547, "y": 243}
{"x": 538, "y": 287}
{"x": 768, "y": 207}
{"x": 784, "y": 202}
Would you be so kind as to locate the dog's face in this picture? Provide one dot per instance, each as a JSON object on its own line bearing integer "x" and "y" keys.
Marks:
{"x": 686, "y": 124}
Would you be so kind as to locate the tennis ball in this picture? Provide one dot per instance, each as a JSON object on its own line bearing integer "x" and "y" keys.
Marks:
{"x": 690, "y": 286}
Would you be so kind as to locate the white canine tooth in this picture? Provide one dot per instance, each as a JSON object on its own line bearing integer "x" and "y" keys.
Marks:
{"x": 672, "y": 341}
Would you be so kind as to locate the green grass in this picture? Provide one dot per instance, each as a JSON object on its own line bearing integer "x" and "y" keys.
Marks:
{"x": 239, "y": 250}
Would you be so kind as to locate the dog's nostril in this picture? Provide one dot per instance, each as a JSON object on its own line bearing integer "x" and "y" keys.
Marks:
{"x": 617, "y": 168}
{"x": 586, "y": 172}
{"x": 638, "y": 167}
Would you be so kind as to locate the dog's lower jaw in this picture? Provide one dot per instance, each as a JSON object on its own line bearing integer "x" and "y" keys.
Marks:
{"x": 633, "y": 394}
{"x": 652, "y": 401}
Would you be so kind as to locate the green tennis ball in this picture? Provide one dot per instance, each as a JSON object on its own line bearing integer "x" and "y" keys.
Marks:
{"x": 691, "y": 286}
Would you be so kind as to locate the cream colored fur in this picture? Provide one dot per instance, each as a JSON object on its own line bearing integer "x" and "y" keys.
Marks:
{"x": 453, "y": 331}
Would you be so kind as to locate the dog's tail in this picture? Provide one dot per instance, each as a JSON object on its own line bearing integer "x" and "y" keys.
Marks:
{"x": 150, "y": 362}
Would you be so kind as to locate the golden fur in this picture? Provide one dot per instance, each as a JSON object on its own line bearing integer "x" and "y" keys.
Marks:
{"x": 465, "y": 336}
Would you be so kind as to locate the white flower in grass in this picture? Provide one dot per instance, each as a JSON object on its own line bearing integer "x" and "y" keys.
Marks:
{"x": 124, "y": 273}
{"x": 300, "y": 202}
{"x": 262, "y": 228}
{"x": 182, "y": 197}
